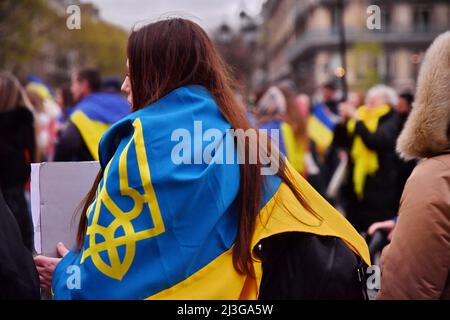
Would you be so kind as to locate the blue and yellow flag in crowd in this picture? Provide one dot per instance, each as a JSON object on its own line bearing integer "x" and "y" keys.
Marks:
{"x": 37, "y": 85}
{"x": 161, "y": 229}
{"x": 321, "y": 124}
{"x": 95, "y": 114}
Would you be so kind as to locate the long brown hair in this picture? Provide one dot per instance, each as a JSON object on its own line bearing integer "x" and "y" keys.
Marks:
{"x": 176, "y": 52}
{"x": 12, "y": 94}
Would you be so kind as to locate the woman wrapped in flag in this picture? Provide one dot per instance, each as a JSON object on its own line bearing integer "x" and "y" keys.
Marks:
{"x": 174, "y": 214}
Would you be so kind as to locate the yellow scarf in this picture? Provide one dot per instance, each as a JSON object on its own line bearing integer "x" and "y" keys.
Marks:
{"x": 365, "y": 160}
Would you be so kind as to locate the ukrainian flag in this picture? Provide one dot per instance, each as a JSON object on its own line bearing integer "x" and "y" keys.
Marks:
{"x": 162, "y": 230}
{"x": 320, "y": 127}
{"x": 95, "y": 114}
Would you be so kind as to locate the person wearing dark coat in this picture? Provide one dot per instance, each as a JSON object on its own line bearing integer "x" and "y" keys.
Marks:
{"x": 19, "y": 278}
{"x": 369, "y": 134}
{"x": 92, "y": 115}
{"x": 405, "y": 168}
{"x": 330, "y": 158}
{"x": 17, "y": 151}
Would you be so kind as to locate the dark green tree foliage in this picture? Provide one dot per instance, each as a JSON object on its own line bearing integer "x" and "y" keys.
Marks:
{"x": 34, "y": 39}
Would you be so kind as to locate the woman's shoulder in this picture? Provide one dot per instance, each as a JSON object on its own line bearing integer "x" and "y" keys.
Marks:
{"x": 442, "y": 160}
{"x": 430, "y": 180}
{"x": 433, "y": 167}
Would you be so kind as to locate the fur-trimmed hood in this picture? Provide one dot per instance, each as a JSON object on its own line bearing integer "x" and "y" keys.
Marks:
{"x": 426, "y": 132}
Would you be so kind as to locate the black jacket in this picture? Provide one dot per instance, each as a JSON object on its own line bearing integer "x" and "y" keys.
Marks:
{"x": 18, "y": 275}
{"x": 380, "y": 199}
{"x": 17, "y": 147}
{"x": 405, "y": 168}
{"x": 17, "y": 150}
{"x": 302, "y": 266}
{"x": 71, "y": 146}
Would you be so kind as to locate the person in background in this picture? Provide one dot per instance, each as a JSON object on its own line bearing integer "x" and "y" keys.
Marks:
{"x": 270, "y": 112}
{"x": 44, "y": 126}
{"x": 38, "y": 86}
{"x": 19, "y": 278}
{"x": 404, "y": 105}
{"x": 404, "y": 169}
{"x": 329, "y": 98}
{"x": 17, "y": 151}
{"x": 416, "y": 264}
{"x": 404, "y": 108}
{"x": 303, "y": 104}
{"x": 335, "y": 161}
{"x": 64, "y": 99}
{"x": 321, "y": 123}
{"x": 368, "y": 134}
{"x": 324, "y": 116}
{"x": 278, "y": 109}
{"x": 251, "y": 110}
{"x": 300, "y": 150}
{"x": 93, "y": 114}
{"x": 47, "y": 114}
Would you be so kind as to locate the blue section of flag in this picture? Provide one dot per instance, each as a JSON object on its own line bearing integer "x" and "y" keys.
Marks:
{"x": 104, "y": 107}
{"x": 319, "y": 112}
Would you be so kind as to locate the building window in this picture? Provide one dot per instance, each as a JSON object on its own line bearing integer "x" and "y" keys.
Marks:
{"x": 422, "y": 18}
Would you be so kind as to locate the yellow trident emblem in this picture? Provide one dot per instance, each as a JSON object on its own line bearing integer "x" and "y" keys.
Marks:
{"x": 117, "y": 269}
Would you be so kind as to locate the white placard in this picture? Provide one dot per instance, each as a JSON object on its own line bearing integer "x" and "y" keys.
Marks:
{"x": 57, "y": 191}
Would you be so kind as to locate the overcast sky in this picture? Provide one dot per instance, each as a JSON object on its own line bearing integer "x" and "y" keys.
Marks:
{"x": 208, "y": 13}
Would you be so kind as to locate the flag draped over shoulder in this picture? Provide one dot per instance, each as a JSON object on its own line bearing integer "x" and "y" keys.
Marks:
{"x": 161, "y": 229}
{"x": 95, "y": 114}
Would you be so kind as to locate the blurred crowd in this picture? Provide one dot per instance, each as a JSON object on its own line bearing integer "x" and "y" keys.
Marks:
{"x": 38, "y": 124}
{"x": 344, "y": 146}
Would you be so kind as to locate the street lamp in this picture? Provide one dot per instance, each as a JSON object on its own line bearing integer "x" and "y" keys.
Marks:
{"x": 342, "y": 47}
